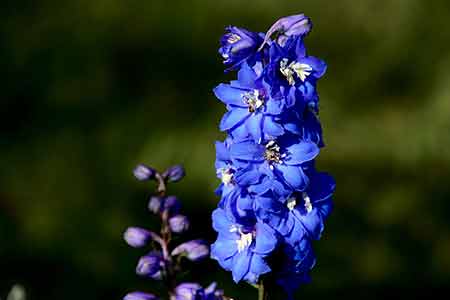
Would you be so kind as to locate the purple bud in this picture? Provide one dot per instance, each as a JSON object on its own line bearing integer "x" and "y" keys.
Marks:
{"x": 211, "y": 292}
{"x": 172, "y": 204}
{"x": 179, "y": 223}
{"x": 137, "y": 237}
{"x": 139, "y": 296}
{"x": 194, "y": 250}
{"x": 174, "y": 173}
{"x": 287, "y": 27}
{"x": 150, "y": 265}
{"x": 154, "y": 205}
{"x": 189, "y": 291}
{"x": 143, "y": 172}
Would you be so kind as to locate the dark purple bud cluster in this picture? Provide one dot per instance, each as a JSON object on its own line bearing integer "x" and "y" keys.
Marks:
{"x": 162, "y": 262}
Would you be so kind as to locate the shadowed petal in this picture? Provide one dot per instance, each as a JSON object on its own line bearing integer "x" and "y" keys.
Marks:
{"x": 294, "y": 176}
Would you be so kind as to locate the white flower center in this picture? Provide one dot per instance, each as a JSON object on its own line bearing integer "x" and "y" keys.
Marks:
{"x": 253, "y": 100}
{"x": 233, "y": 38}
{"x": 291, "y": 203}
{"x": 308, "y": 204}
{"x": 288, "y": 70}
{"x": 226, "y": 175}
{"x": 245, "y": 241}
{"x": 272, "y": 153}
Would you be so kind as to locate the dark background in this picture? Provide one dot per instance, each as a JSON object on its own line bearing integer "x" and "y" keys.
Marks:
{"x": 90, "y": 88}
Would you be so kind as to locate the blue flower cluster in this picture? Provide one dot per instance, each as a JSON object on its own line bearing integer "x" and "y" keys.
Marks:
{"x": 273, "y": 201}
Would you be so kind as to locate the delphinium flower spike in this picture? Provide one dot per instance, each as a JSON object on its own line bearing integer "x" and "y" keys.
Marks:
{"x": 273, "y": 201}
{"x": 162, "y": 262}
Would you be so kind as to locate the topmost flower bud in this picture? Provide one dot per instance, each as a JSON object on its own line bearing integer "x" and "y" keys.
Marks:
{"x": 143, "y": 172}
{"x": 287, "y": 27}
{"x": 238, "y": 44}
{"x": 174, "y": 173}
{"x": 140, "y": 296}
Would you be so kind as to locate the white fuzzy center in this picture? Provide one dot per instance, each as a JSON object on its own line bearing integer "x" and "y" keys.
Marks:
{"x": 288, "y": 70}
{"x": 308, "y": 204}
{"x": 291, "y": 203}
{"x": 253, "y": 100}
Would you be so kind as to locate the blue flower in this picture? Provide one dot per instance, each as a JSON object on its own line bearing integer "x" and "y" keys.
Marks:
{"x": 290, "y": 67}
{"x": 252, "y": 111}
{"x": 242, "y": 249}
{"x": 239, "y": 45}
{"x": 271, "y": 195}
{"x": 281, "y": 160}
{"x": 302, "y": 213}
{"x": 306, "y": 125}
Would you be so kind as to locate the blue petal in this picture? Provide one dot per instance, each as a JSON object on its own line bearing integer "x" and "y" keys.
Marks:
{"x": 220, "y": 221}
{"x": 244, "y": 203}
{"x": 301, "y": 152}
{"x": 260, "y": 188}
{"x": 322, "y": 187}
{"x": 222, "y": 152}
{"x": 233, "y": 118}
{"x": 230, "y": 95}
{"x": 325, "y": 208}
{"x": 239, "y": 133}
{"x": 223, "y": 249}
{"x": 258, "y": 267}
{"x": 272, "y": 128}
{"x": 247, "y": 150}
{"x": 294, "y": 176}
{"x": 254, "y": 127}
{"x": 274, "y": 107}
{"x": 226, "y": 264}
{"x": 319, "y": 66}
{"x": 297, "y": 234}
{"x": 241, "y": 264}
{"x": 312, "y": 222}
{"x": 246, "y": 76}
{"x": 247, "y": 176}
{"x": 265, "y": 239}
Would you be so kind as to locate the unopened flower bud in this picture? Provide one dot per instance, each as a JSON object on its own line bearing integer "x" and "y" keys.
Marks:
{"x": 174, "y": 173}
{"x": 179, "y": 223}
{"x": 287, "y": 27}
{"x": 137, "y": 237}
{"x": 154, "y": 205}
{"x": 172, "y": 204}
{"x": 139, "y": 296}
{"x": 194, "y": 250}
{"x": 143, "y": 172}
{"x": 188, "y": 291}
{"x": 150, "y": 265}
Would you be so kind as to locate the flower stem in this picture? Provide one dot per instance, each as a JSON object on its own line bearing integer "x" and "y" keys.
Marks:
{"x": 262, "y": 292}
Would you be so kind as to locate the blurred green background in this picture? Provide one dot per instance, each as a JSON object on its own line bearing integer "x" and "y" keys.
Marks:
{"x": 90, "y": 88}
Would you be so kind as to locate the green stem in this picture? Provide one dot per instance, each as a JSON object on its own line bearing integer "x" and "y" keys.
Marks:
{"x": 262, "y": 293}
